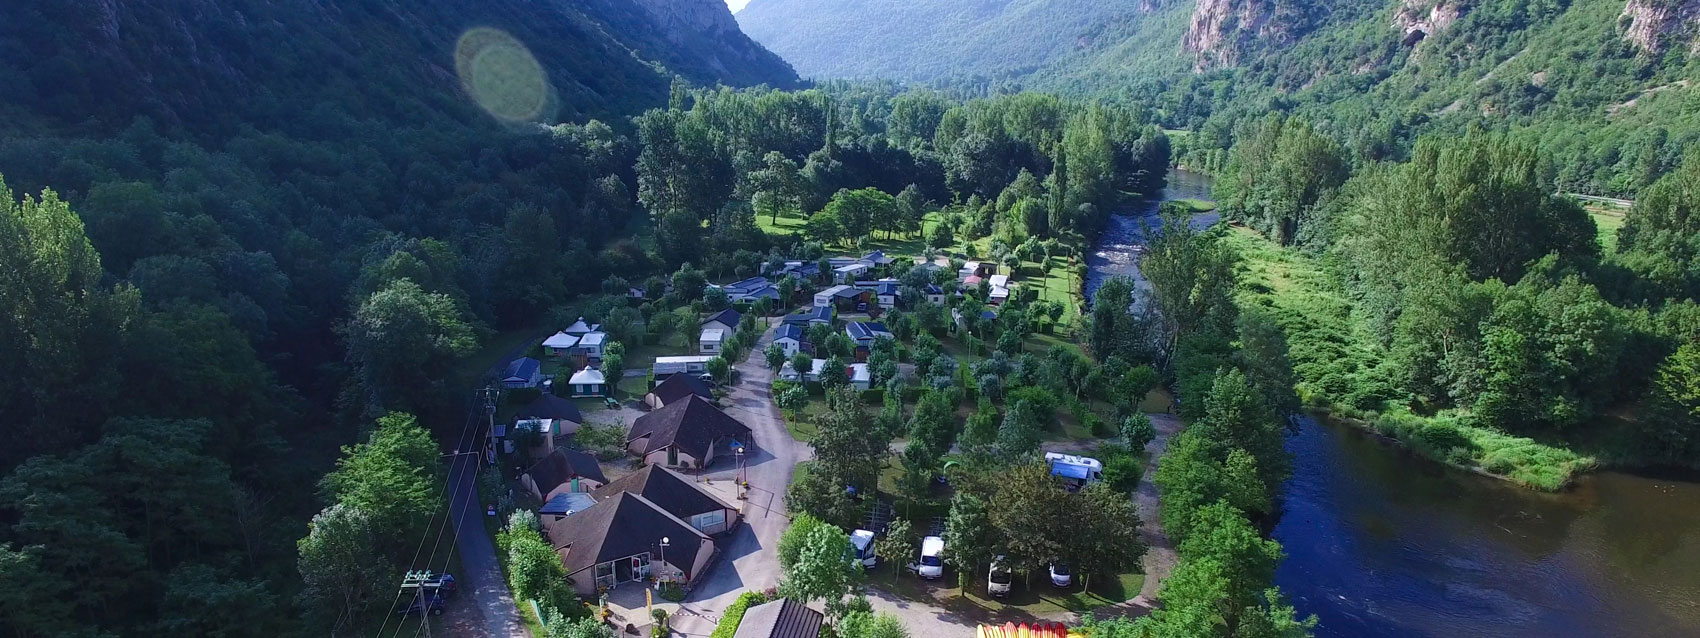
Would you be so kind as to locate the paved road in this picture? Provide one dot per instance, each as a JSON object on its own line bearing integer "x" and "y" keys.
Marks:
{"x": 749, "y": 560}
{"x": 485, "y": 607}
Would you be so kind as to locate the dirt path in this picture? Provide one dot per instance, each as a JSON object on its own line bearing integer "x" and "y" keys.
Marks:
{"x": 1160, "y": 555}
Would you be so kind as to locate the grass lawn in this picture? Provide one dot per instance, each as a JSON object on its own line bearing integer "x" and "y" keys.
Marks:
{"x": 1031, "y": 596}
{"x": 1331, "y": 348}
{"x": 1607, "y": 218}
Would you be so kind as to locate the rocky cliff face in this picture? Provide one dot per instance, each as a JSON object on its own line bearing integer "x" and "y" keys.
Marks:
{"x": 1419, "y": 19}
{"x": 1655, "y": 25}
{"x": 705, "y": 30}
{"x": 1222, "y": 31}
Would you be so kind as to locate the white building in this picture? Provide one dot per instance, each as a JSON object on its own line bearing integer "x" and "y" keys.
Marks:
{"x": 667, "y": 366}
{"x": 560, "y": 345}
{"x": 849, "y": 272}
{"x": 591, "y": 344}
{"x": 588, "y": 382}
{"x": 711, "y": 340}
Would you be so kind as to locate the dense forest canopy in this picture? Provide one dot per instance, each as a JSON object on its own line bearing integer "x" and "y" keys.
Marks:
{"x": 236, "y": 234}
{"x": 1602, "y": 87}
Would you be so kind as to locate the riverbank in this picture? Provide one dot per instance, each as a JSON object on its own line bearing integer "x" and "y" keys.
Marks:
{"x": 1338, "y": 364}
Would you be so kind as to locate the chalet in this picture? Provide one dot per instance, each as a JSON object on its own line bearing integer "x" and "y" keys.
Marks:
{"x": 549, "y": 415}
{"x": 620, "y": 540}
{"x": 678, "y": 495}
{"x": 677, "y": 388}
{"x": 688, "y": 433}
{"x": 562, "y": 470}
{"x": 751, "y": 289}
{"x": 859, "y": 375}
{"x": 877, "y": 258}
{"x": 886, "y": 291}
{"x": 816, "y": 314}
{"x": 849, "y": 272}
{"x": 861, "y": 378}
{"x": 790, "y": 338}
{"x": 726, "y": 320}
{"x": 783, "y": 618}
{"x": 580, "y": 328}
{"x": 524, "y": 372}
{"x": 591, "y": 344}
{"x": 711, "y": 340}
{"x": 560, "y": 345}
{"x": 935, "y": 294}
{"x": 690, "y": 364}
{"x": 865, "y": 333}
{"x": 588, "y": 382}
{"x": 844, "y": 298}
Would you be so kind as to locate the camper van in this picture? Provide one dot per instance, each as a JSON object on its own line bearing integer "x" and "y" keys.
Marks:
{"x": 862, "y": 548}
{"x": 931, "y": 565}
{"x": 999, "y": 578}
{"x": 1075, "y": 471}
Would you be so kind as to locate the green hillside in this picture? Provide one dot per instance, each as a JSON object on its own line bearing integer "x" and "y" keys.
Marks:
{"x": 1603, "y": 86}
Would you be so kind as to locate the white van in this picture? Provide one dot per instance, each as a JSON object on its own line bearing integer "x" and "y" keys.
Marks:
{"x": 932, "y": 558}
{"x": 999, "y": 578}
{"x": 862, "y": 548}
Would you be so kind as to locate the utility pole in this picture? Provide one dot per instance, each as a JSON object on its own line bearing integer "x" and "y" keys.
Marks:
{"x": 420, "y": 582}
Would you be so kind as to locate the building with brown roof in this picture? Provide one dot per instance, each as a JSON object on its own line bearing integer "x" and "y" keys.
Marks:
{"x": 620, "y": 540}
{"x": 689, "y": 433}
{"x": 677, "y": 494}
{"x": 783, "y": 618}
{"x": 563, "y": 470}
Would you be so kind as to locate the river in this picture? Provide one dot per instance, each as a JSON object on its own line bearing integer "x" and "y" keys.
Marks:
{"x": 1381, "y": 542}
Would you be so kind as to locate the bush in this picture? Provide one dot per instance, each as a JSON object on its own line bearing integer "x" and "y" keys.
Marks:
{"x": 672, "y": 591}
{"x": 874, "y": 396}
{"x": 734, "y": 614}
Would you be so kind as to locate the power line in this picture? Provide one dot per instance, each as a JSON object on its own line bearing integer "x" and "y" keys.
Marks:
{"x": 488, "y": 404}
{"x": 471, "y": 415}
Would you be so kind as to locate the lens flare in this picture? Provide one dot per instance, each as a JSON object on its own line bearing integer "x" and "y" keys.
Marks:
{"x": 502, "y": 76}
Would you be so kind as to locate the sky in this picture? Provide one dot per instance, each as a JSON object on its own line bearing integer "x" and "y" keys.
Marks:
{"x": 736, "y": 4}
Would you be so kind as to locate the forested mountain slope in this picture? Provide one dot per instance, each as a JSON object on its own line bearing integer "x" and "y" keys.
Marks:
{"x": 1604, "y": 86}
{"x": 235, "y": 233}
{"x": 908, "y": 40}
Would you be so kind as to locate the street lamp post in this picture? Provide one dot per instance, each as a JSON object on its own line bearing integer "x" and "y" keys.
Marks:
{"x": 664, "y": 543}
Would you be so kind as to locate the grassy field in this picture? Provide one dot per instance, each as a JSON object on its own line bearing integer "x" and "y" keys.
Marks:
{"x": 1607, "y": 218}
{"x": 1032, "y": 594}
{"x": 1331, "y": 353}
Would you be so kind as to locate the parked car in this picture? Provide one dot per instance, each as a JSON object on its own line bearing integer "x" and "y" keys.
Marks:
{"x": 862, "y": 548}
{"x": 1060, "y": 575}
{"x": 999, "y": 578}
{"x": 931, "y": 565}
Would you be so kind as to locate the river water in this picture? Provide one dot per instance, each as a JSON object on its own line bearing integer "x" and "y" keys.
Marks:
{"x": 1381, "y": 542}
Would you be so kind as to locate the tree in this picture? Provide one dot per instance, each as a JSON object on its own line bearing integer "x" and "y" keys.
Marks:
{"x": 560, "y": 626}
{"x": 689, "y": 283}
{"x": 339, "y": 562}
{"x": 941, "y": 237}
{"x": 61, "y": 330}
{"x": 1674, "y": 400}
{"x": 402, "y": 343}
{"x": 614, "y": 361}
{"x": 1021, "y": 430}
{"x": 1137, "y": 431}
{"x": 898, "y": 544}
{"x": 779, "y": 187}
{"x": 534, "y": 569}
{"x": 720, "y": 369}
{"x": 969, "y": 534}
{"x": 825, "y": 227}
{"x": 1221, "y": 585}
{"x": 774, "y": 355}
{"x": 823, "y": 571}
{"x": 392, "y": 478}
{"x": 715, "y": 299}
{"x": 848, "y": 447}
{"x": 1106, "y": 540}
{"x": 862, "y": 624}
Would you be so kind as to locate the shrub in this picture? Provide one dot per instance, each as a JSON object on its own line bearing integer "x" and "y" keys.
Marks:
{"x": 735, "y": 614}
